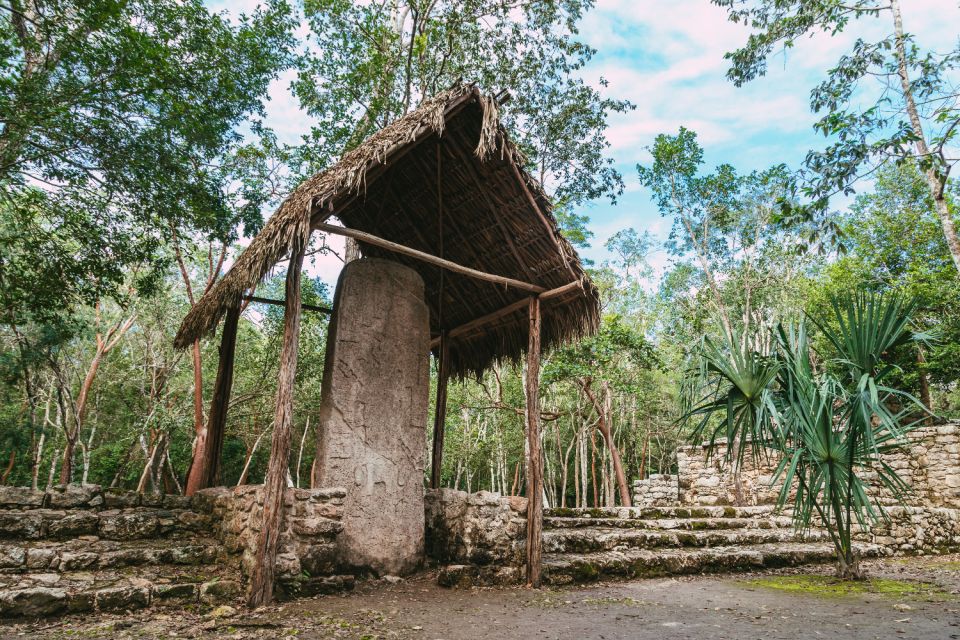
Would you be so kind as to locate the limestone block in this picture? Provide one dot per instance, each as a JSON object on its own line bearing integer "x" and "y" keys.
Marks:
{"x": 34, "y": 602}
{"x": 373, "y": 414}
{"x": 20, "y": 497}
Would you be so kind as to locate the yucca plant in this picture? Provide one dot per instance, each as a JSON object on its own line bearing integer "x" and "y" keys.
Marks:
{"x": 828, "y": 424}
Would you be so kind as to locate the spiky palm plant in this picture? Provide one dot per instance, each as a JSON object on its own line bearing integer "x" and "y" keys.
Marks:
{"x": 828, "y": 424}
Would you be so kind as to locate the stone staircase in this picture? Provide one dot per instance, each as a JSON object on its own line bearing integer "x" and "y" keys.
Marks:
{"x": 582, "y": 545}
{"x": 79, "y": 550}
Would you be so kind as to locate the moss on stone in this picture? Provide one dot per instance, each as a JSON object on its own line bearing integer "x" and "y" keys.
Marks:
{"x": 585, "y": 572}
{"x": 830, "y": 587}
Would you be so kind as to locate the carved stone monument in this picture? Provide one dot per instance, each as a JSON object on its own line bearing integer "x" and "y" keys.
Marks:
{"x": 373, "y": 414}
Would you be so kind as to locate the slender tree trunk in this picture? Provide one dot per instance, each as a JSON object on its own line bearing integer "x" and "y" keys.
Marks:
{"x": 53, "y": 468}
{"x": 262, "y": 575}
{"x": 38, "y": 458}
{"x": 603, "y": 426}
{"x": 936, "y": 182}
{"x": 6, "y": 472}
{"x": 924, "y": 379}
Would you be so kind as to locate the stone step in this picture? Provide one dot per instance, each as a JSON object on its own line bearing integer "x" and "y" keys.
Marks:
{"x": 646, "y": 563}
{"x": 112, "y": 524}
{"x": 604, "y": 539}
{"x": 85, "y": 497}
{"x": 656, "y": 513}
{"x": 686, "y": 524}
{"x": 87, "y": 553}
{"x": 38, "y": 595}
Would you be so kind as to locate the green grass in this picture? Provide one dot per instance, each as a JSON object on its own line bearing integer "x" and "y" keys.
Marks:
{"x": 829, "y": 587}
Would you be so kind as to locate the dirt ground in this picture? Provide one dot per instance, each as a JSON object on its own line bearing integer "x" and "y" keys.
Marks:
{"x": 741, "y": 607}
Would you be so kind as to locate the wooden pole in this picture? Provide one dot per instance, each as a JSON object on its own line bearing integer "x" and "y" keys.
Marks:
{"x": 534, "y": 461}
{"x": 262, "y": 576}
{"x": 440, "y": 414}
{"x": 208, "y": 470}
{"x": 426, "y": 257}
{"x": 476, "y": 323}
{"x": 281, "y": 303}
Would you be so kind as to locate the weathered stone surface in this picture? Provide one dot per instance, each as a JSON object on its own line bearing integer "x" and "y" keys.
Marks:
{"x": 129, "y": 525}
{"x": 219, "y": 591}
{"x": 929, "y": 464}
{"x": 42, "y": 559}
{"x": 21, "y": 497}
{"x": 120, "y": 499}
{"x": 184, "y": 592}
{"x": 373, "y": 414}
{"x": 123, "y": 598}
{"x": 12, "y": 556}
{"x": 21, "y": 525}
{"x": 71, "y": 525}
{"x": 656, "y": 491}
{"x": 34, "y": 602}
{"x": 476, "y": 529}
{"x": 74, "y": 496}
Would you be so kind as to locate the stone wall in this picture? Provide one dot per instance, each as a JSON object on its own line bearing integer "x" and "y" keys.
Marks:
{"x": 708, "y": 481}
{"x": 479, "y": 537}
{"x": 930, "y": 465}
{"x": 307, "y": 561}
{"x": 659, "y": 490}
{"x": 915, "y": 530}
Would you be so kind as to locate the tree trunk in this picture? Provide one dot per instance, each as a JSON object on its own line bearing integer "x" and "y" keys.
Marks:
{"x": 534, "y": 464}
{"x": 848, "y": 566}
{"x": 262, "y": 575}
{"x": 6, "y": 472}
{"x": 936, "y": 183}
{"x": 38, "y": 458}
{"x": 246, "y": 463}
{"x": 603, "y": 426}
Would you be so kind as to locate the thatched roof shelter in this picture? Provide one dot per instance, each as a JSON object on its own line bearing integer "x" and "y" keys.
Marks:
{"x": 444, "y": 180}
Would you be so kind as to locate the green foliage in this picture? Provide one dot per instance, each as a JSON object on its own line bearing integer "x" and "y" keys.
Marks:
{"x": 912, "y": 114}
{"x": 117, "y": 119}
{"x": 828, "y": 425}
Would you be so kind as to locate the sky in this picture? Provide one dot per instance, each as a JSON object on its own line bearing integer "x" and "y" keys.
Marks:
{"x": 666, "y": 57}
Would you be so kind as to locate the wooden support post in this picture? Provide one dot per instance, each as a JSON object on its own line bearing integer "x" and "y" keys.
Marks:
{"x": 534, "y": 460}
{"x": 206, "y": 455}
{"x": 440, "y": 414}
{"x": 220, "y": 403}
{"x": 275, "y": 484}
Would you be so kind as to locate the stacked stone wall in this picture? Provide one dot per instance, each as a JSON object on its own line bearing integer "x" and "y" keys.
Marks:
{"x": 66, "y": 516}
{"x": 659, "y": 490}
{"x": 929, "y": 464}
{"x": 479, "y": 537}
{"x": 915, "y": 530}
{"x": 307, "y": 561}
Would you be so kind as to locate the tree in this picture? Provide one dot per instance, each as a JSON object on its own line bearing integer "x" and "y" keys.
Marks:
{"x": 829, "y": 424}
{"x": 728, "y": 224}
{"x": 914, "y": 116}
{"x": 374, "y": 61}
{"x": 595, "y": 365}
{"x": 114, "y": 115}
{"x": 896, "y": 245}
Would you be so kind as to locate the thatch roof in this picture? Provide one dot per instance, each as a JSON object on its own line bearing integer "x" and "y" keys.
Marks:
{"x": 496, "y": 219}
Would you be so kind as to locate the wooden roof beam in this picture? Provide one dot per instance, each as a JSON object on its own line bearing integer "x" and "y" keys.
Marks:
{"x": 426, "y": 257}
{"x": 505, "y": 311}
